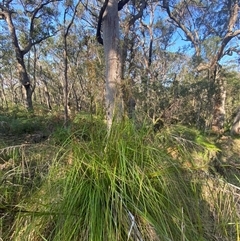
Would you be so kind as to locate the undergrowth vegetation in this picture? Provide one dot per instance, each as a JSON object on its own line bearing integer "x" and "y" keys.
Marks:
{"x": 82, "y": 183}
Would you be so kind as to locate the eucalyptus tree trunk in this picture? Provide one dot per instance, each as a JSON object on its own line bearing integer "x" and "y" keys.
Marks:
{"x": 21, "y": 68}
{"x": 65, "y": 57}
{"x": 219, "y": 99}
{"x": 32, "y": 11}
{"x": 65, "y": 84}
{"x": 3, "y": 97}
{"x": 235, "y": 130}
{"x": 24, "y": 78}
{"x": 114, "y": 100}
{"x": 46, "y": 91}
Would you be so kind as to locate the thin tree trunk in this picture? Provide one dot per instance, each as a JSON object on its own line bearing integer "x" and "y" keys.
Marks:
{"x": 45, "y": 89}
{"x": 65, "y": 61}
{"x": 65, "y": 84}
{"x": 21, "y": 68}
{"x": 47, "y": 95}
{"x": 24, "y": 79}
{"x": 3, "y": 94}
{"x": 235, "y": 130}
{"x": 76, "y": 98}
{"x": 28, "y": 102}
{"x": 219, "y": 99}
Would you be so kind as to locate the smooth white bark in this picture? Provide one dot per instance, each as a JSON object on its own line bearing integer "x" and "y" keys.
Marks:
{"x": 111, "y": 42}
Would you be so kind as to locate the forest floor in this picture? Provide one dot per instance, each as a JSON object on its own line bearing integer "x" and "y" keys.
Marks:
{"x": 27, "y": 152}
{"x": 227, "y": 163}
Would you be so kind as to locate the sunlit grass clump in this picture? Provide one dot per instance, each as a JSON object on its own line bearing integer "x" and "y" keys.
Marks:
{"x": 122, "y": 186}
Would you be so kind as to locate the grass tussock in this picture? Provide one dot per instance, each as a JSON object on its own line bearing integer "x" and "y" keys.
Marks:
{"x": 128, "y": 185}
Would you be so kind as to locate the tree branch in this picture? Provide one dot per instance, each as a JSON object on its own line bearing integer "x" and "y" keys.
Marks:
{"x": 139, "y": 14}
{"x": 121, "y": 4}
{"x": 230, "y": 33}
{"x": 31, "y": 29}
{"x": 72, "y": 19}
{"x": 4, "y": 11}
{"x": 98, "y": 35}
{"x": 233, "y": 16}
{"x": 228, "y": 37}
{"x": 8, "y": 19}
{"x": 189, "y": 35}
